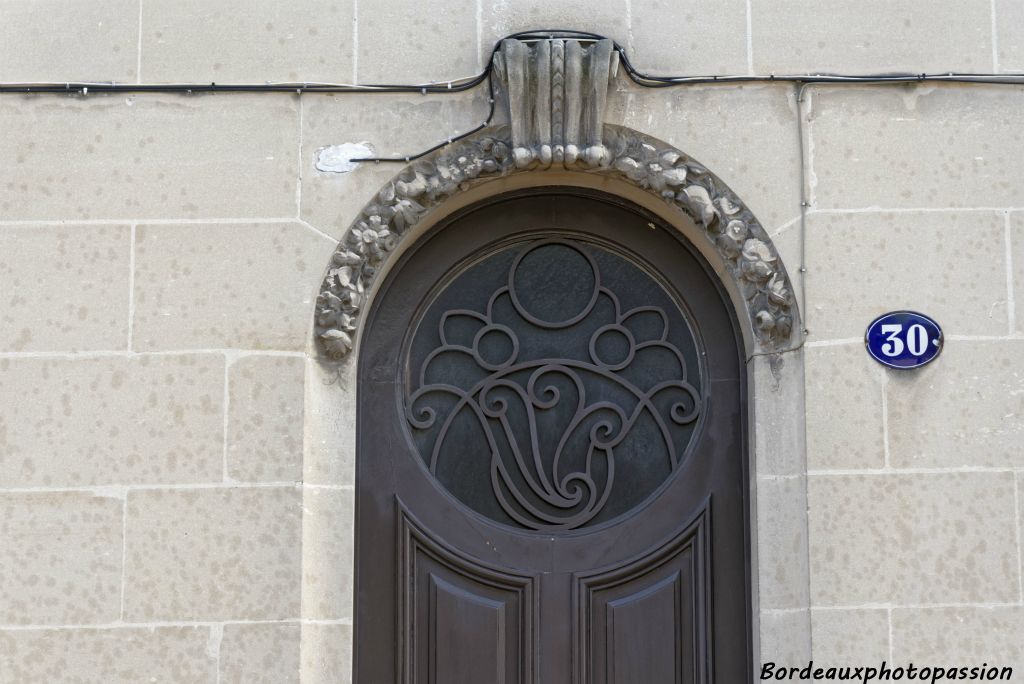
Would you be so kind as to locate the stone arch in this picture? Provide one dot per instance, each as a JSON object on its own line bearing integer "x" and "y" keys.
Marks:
{"x": 665, "y": 181}
{"x": 735, "y": 243}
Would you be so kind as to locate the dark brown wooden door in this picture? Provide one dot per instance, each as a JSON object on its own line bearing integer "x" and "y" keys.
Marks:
{"x": 551, "y": 482}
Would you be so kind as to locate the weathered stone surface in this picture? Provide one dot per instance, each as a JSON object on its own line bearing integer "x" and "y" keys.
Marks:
{"x": 782, "y": 543}
{"x": 390, "y": 125}
{"x": 785, "y": 637}
{"x": 213, "y": 286}
{"x": 213, "y": 554}
{"x": 235, "y": 41}
{"x": 151, "y": 156}
{"x": 916, "y": 146}
{"x": 427, "y": 41}
{"x": 328, "y": 558}
{"x": 1009, "y": 41}
{"x": 779, "y": 430}
{"x": 969, "y": 635}
{"x": 964, "y": 409}
{"x": 859, "y": 267}
{"x": 125, "y": 655}
{"x": 60, "y": 560}
{"x": 843, "y": 636}
{"x": 64, "y": 287}
{"x": 912, "y": 538}
{"x": 330, "y": 455}
{"x": 326, "y": 653}
{"x": 844, "y": 408}
{"x": 53, "y": 40}
{"x": 260, "y": 654}
{"x": 872, "y": 36}
{"x": 679, "y": 37}
{"x": 68, "y": 422}
{"x": 265, "y": 420}
{"x": 1017, "y": 275}
{"x": 745, "y": 134}
{"x": 787, "y": 241}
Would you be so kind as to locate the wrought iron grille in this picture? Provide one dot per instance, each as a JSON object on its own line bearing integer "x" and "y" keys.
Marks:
{"x": 553, "y": 384}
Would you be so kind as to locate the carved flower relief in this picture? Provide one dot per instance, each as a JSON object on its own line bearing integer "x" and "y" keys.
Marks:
{"x": 731, "y": 240}
{"x": 758, "y": 262}
{"x": 651, "y": 169}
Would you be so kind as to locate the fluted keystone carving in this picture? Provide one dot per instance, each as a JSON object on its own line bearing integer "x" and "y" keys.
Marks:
{"x": 556, "y": 91}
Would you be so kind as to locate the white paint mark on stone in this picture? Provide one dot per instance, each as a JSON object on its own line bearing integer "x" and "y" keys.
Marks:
{"x": 213, "y": 643}
{"x": 338, "y": 158}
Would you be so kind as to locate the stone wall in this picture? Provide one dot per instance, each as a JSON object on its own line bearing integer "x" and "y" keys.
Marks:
{"x": 163, "y": 513}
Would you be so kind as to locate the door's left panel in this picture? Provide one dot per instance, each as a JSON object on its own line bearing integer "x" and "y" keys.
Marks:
{"x": 463, "y": 622}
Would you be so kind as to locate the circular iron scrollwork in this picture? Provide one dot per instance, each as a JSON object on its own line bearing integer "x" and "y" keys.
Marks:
{"x": 553, "y": 384}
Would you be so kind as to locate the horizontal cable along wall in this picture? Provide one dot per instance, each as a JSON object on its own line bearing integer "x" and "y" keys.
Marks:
{"x": 464, "y": 84}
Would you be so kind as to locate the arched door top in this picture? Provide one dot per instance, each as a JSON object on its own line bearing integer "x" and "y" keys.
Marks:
{"x": 744, "y": 252}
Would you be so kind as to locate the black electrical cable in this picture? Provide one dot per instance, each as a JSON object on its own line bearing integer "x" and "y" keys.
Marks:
{"x": 471, "y": 82}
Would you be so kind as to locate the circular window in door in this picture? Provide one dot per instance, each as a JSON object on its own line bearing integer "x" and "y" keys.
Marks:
{"x": 553, "y": 383}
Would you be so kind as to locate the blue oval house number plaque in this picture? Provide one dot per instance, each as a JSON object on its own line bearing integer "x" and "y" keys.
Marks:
{"x": 903, "y": 339}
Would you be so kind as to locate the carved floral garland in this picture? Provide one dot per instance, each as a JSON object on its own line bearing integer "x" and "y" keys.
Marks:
{"x": 663, "y": 171}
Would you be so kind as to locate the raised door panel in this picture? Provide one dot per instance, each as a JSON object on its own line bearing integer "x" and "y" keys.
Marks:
{"x": 646, "y": 620}
{"x": 464, "y": 622}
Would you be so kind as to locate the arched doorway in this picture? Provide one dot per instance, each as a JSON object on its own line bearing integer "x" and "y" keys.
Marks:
{"x": 552, "y": 483}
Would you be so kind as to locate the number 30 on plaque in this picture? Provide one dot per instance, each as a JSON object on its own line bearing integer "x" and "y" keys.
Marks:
{"x": 903, "y": 339}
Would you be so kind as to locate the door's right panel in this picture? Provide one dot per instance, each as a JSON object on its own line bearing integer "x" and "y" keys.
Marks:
{"x": 646, "y": 620}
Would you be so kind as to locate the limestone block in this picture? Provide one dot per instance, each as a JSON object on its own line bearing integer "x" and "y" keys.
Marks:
{"x": 328, "y": 558}
{"x": 850, "y": 636}
{"x": 779, "y": 417}
{"x": 1009, "y": 41}
{"x": 326, "y": 654}
{"x": 416, "y": 42}
{"x": 330, "y": 455}
{"x": 202, "y": 286}
{"x": 210, "y": 554}
{"x": 54, "y": 40}
{"x": 260, "y": 654}
{"x": 111, "y": 420}
{"x": 238, "y": 41}
{"x": 912, "y": 538}
{"x": 124, "y": 655}
{"x": 64, "y": 288}
{"x": 908, "y": 146}
{"x": 746, "y": 135}
{"x": 389, "y": 125}
{"x": 782, "y": 543}
{"x": 964, "y": 409}
{"x": 785, "y": 637}
{"x": 949, "y": 265}
{"x": 148, "y": 156}
{"x": 675, "y": 38}
{"x": 265, "y": 418}
{"x": 873, "y": 36}
{"x": 499, "y": 18}
{"x": 844, "y": 408}
{"x": 60, "y": 559}
{"x": 961, "y": 636}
